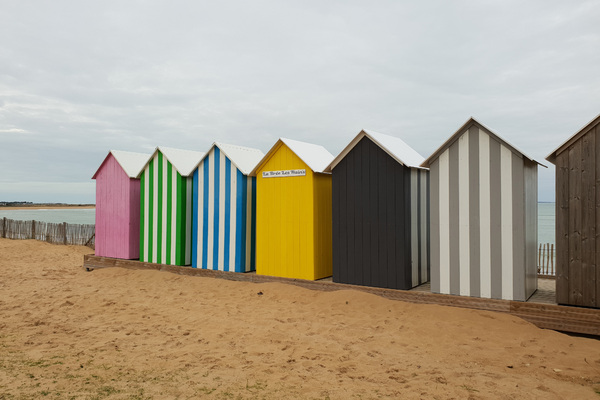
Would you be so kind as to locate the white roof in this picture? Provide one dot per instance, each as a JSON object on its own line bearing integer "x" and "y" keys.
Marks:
{"x": 244, "y": 158}
{"x": 316, "y": 157}
{"x": 184, "y": 161}
{"x": 132, "y": 163}
{"x": 461, "y": 130}
{"x": 395, "y": 147}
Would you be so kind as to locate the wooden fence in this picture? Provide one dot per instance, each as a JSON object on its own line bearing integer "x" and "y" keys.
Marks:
{"x": 62, "y": 233}
{"x": 546, "y": 257}
{"x": 84, "y": 235}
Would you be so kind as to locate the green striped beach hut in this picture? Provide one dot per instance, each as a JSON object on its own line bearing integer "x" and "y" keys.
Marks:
{"x": 166, "y": 206}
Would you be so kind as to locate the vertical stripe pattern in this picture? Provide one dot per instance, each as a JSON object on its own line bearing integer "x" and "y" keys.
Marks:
{"x": 419, "y": 226}
{"x": 224, "y": 226}
{"x": 479, "y": 219}
{"x": 507, "y": 222}
{"x": 485, "y": 266}
{"x": 443, "y": 281}
{"x": 463, "y": 214}
{"x": 424, "y": 223}
{"x": 166, "y": 233}
{"x": 414, "y": 226}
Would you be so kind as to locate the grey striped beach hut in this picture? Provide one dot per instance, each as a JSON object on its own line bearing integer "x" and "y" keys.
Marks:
{"x": 483, "y": 216}
{"x": 578, "y": 217}
{"x": 166, "y": 206}
{"x": 380, "y": 213}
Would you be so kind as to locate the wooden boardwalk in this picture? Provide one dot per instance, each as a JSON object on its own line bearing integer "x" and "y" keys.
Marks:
{"x": 545, "y": 293}
{"x": 539, "y": 310}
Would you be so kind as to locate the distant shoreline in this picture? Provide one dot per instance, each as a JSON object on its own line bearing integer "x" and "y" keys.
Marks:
{"x": 48, "y": 207}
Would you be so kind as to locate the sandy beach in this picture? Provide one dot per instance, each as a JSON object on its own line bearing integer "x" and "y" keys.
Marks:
{"x": 136, "y": 334}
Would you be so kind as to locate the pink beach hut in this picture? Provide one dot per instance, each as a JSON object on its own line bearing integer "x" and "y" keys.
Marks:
{"x": 118, "y": 204}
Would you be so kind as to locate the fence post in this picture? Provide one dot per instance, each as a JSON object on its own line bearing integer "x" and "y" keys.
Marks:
{"x": 540, "y": 258}
{"x": 546, "y": 258}
{"x": 4, "y": 228}
{"x": 552, "y": 258}
{"x": 65, "y": 238}
{"x": 33, "y": 229}
{"x": 89, "y": 241}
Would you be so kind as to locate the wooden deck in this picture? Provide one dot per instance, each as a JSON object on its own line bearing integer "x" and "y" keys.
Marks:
{"x": 540, "y": 310}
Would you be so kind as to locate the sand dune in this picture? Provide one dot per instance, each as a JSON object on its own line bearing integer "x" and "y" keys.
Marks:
{"x": 133, "y": 334}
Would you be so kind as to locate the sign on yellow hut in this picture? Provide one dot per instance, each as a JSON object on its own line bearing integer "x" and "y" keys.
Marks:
{"x": 293, "y": 211}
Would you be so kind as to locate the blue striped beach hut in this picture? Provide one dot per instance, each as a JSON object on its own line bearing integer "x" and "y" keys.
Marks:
{"x": 166, "y": 206}
{"x": 224, "y": 209}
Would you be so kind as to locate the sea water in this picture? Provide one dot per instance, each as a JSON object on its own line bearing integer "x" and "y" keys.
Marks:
{"x": 58, "y": 215}
{"x": 546, "y": 218}
{"x": 546, "y": 222}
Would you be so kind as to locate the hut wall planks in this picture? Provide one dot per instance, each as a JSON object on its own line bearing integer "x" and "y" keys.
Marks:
{"x": 224, "y": 222}
{"x": 117, "y": 212}
{"x": 380, "y": 219}
{"x": 166, "y": 207}
{"x": 322, "y": 224}
{"x": 484, "y": 249}
{"x": 291, "y": 219}
{"x": 578, "y": 218}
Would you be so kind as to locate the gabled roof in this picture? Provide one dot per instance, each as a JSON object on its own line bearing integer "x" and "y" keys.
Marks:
{"x": 244, "y": 158}
{"x": 316, "y": 157}
{"x": 184, "y": 161}
{"x": 461, "y": 130}
{"x": 132, "y": 163}
{"x": 589, "y": 126}
{"x": 395, "y": 147}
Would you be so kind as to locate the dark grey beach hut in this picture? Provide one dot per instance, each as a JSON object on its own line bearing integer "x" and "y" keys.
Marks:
{"x": 483, "y": 216}
{"x": 578, "y": 217}
{"x": 380, "y": 213}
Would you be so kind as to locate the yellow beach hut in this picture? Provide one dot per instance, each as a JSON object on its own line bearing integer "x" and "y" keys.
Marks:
{"x": 293, "y": 211}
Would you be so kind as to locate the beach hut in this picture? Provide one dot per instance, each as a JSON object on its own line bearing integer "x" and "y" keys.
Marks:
{"x": 380, "y": 213}
{"x": 166, "y": 206}
{"x": 578, "y": 217}
{"x": 293, "y": 211}
{"x": 118, "y": 205}
{"x": 224, "y": 209}
{"x": 483, "y": 194}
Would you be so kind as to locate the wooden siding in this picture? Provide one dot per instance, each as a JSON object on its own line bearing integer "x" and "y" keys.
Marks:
{"x": 166, "y": 211}
{"x": 483, "y": 227}
{"x": 419, "y": 226}
{"x": 380, "y": 220}
{"x": 322, "y": 224}
{"x": 292, "y": 222}
{"x": 562, "y": 228}
{"x": 224, "y": 216}
{"x": 117, "y": 212}
{"x": 531, "y": 226}
{"x": 577, "y": 221}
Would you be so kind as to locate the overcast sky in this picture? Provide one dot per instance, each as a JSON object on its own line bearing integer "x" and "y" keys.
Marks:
{"x": 78, "y": 79}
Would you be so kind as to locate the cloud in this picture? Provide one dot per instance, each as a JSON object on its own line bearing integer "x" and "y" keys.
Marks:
{"x": 77, "y": 80}
{"x": 13, "y": 130}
